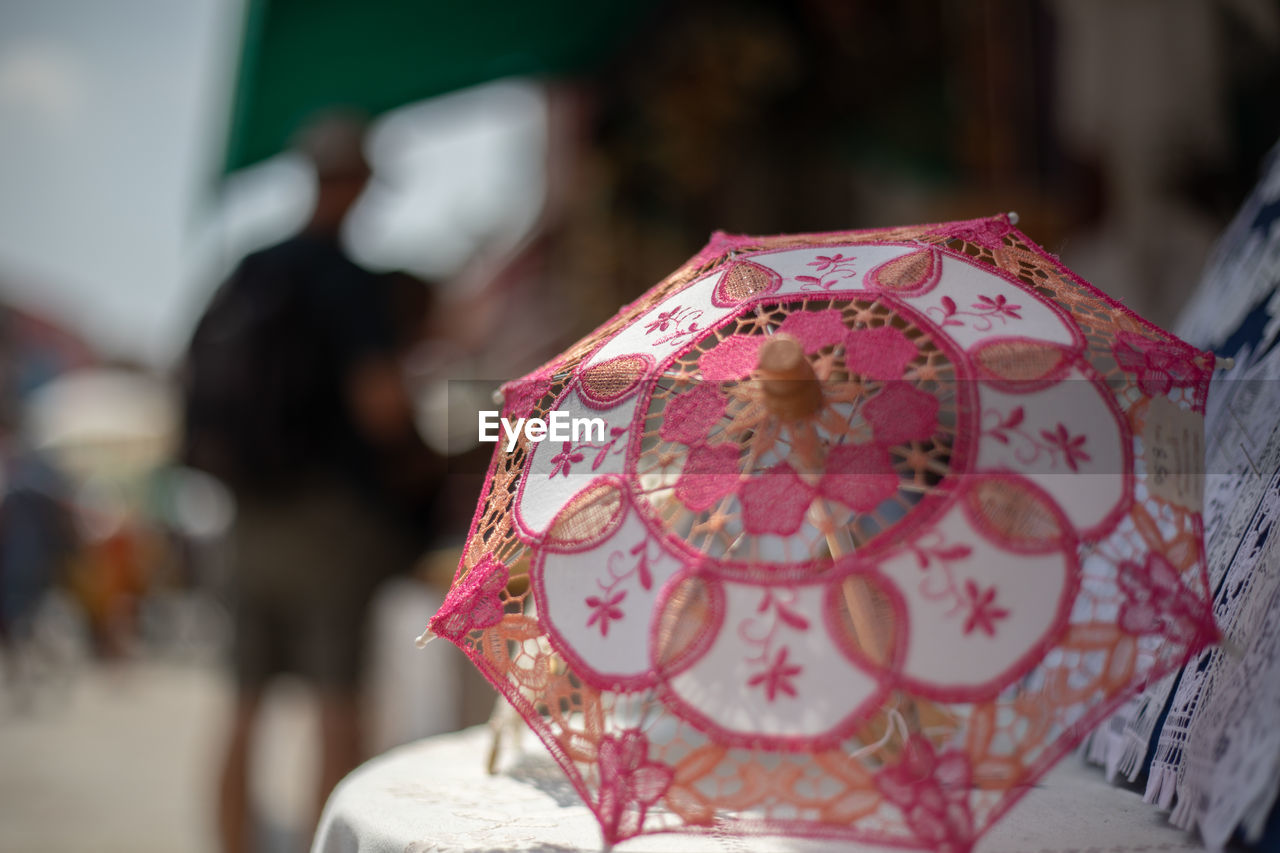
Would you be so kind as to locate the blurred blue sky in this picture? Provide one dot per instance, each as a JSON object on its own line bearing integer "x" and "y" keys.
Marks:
{"x": 107, "y": 134}
{"x": 113, "y": 220}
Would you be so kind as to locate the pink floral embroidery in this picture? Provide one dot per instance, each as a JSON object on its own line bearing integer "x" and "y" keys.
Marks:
{"x": 563, "y": 461}
{"x": 665, "y": 320}
{"x": 615, "y": 435}
{"x": 732, "y": 359}
{"x": 901, "y": 413}
{"x": 1000, "y": 306}
{"x": 1071, "y": 447}
{"x": 1160, "y": 366}
{"x": 710, "y": 473}
{"x": 989, "y": 233}
{"x": 1007, "y": 425}
{"x": 775, "y": 613}
{"x": 983, "y": 612}
{"x": 679, "y": 322}
{"x": 1057, "y": 443}
{"x": 815, "y": 329}
{"x": 859, "y": 476}
{"x": 926, "y": 553}
{"x": 606, "y": 607}
{"x": 605, "y": 610}
{"x": 643, "y": 574}
{"x": 777, "y": 678}
{"x": 932, "y": 792}
{"x": 935, "y": 558}
{"x": 775, "y": 501}
{"x": 630, "y": 783}
{"x": 691, "y": 416}
{"x": 836, "y": 265}
{"x": 881, "y": 353}
{"x": 982, "y": 312}
{"x": 1156, "y": 602}
{"x": 520, "y": 397}
{"x": 782, "y": 606}
{"x": 474, "y": 602}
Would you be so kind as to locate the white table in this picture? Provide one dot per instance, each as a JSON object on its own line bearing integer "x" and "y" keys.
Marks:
{"x": 434, "y": 796}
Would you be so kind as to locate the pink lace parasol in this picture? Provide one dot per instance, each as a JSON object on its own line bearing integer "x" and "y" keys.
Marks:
{"x": 879, "y": 524}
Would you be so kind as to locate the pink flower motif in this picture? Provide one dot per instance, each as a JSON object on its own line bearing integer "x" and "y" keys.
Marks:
{"x": 775, "y": 501}
{"x": 815, "y": 329}
{"x": 474, "y": 603}
{"x": 521, "y": 396}
{"x": 1005, "y": 425}
{"x": 734, "y": 358}
{"x": 785, "y": 614}
{"x": 665, "y": 320}
{"x": 630, "y": 783}
{"x": 822, "y": 263}
{"x": 1072, "y": 447}
{"x": 605, "y": 610}
{"x": 948, "y": 310}
{"x": 983, "y": 310}
{"x": 710, "y": 473}
{"x": 777, "y": 678}
{"x": 1160, "y": 366}
{"x": 1156, "y": 602}
{"x": 859, "y": 476}
{"x": 563, "y": 461}
{"x": 983, "y": 612}
{"x": 691, "y": 416}
{"x": 901, "y": 413}
{"x": 998, "y": 306}
{"x": 984, "y": 232}
{"x": 814, "y": 282}
{"x": 641, "y": 552}
{"x": 932, "y": 792}
{"x": 835, "y": 265}
{"x": 881, "y": 353}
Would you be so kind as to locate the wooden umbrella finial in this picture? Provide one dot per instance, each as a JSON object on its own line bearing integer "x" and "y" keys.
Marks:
{"x": 791, "y": 390}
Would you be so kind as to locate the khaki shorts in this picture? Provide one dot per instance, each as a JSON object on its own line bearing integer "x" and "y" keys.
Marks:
{"x": 304, "y": 571}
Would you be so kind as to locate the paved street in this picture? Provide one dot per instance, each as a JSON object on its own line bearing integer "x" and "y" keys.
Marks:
{"x": 125, "y": 760}
{"x": 124, "y": 757}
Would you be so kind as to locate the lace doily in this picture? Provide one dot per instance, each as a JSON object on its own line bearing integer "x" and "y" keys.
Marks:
{"x": 1222, "y": 740}
{"x": 1218, "y": 748}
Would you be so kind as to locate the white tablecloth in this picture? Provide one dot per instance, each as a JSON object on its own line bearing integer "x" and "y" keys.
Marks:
{"x": 434, "y": 796}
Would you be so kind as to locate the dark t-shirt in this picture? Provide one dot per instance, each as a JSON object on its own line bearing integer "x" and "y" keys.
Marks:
{"x": 346, "y": 312}
{"x": 269, "y": 365}
{"x": 268, "y": 383}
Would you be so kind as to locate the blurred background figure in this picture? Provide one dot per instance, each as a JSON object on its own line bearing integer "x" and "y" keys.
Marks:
{"x": 108, "y": 430}
{"x": 295, "y": 399}
{"x": 540, "y": 164}
{"x": 37, "y": 543}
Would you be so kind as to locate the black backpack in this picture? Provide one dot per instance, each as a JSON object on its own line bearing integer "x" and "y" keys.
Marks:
{"x": 254, "y": 379}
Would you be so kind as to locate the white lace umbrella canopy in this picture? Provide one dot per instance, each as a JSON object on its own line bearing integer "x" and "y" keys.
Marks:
{"x": 878, "y": 526}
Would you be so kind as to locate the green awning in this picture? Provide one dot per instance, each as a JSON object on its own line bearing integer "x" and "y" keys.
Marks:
{"x": 300, "y": 56}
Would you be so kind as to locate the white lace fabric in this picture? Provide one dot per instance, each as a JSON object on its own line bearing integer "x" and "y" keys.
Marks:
{"x": 434, "y": 796}
{"x": 1216, "y": 762}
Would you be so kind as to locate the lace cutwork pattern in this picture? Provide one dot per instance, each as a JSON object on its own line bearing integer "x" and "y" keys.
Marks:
{"x": 1217, "y": 758}
{"x": 896, "y": 469}
{"x": 838, "y": 576}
